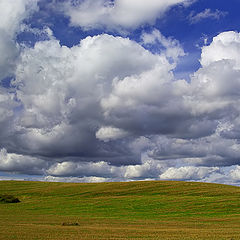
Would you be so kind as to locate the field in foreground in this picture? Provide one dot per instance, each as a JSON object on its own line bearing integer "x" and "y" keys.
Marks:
{"x": 135, "y": 210}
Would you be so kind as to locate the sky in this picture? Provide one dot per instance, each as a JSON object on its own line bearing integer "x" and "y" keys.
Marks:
{"x": 120, "y": 90}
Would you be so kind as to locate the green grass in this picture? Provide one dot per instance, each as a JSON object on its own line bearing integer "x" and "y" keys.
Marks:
{"x": 135, "y": 210}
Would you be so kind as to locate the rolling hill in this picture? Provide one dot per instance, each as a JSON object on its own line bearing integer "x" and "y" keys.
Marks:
{"x": 133, "y": 210}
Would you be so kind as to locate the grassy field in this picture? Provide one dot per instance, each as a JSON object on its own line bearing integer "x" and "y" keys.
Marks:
{"x": 135, "y": 210}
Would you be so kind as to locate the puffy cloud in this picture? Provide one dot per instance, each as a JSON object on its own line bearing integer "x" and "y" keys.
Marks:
{"x": 76, "y": 179}
{"x": 61, "y": 106}
{"x": 224, "y": 46}
{"x": 215, "y": 86}
{"x": 188, "y": 173}
{"x": 148, "y": 168}
{"x": 108, "y": 109}
{"x": 207, "y": 151}
{"x": 148, "y": 103}
{"x": 235, "y": 174}
{"x": 98, "y": 169}
{"x": 12, "y": 13}
{"x": 117, "y": 14}
{"x": 110, "y": 133}
{"x": 172, "y": 47}
{"x": 232, "y": 129}
{"x": 9, "y": 53}
{"x": 11, "y": 162}
{"x": 7, "y": 106}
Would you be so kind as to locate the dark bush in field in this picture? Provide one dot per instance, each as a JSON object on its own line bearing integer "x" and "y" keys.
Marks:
{"x": 8, "y": 199}
{"x": 70, "y": 224}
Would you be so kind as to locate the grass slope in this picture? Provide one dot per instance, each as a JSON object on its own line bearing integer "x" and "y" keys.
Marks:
{"x": 135, "y": 210}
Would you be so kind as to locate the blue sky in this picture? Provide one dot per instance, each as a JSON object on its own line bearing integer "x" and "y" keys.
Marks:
{"x": 99, "y": 90}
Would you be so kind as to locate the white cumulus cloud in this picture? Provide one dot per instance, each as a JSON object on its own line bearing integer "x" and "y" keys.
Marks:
{"x": 12, "y": 13}
{"x": 118, "y": 14}
{"x": 108, "y": 109}
{"x": 110, "y": 133}
{"x": 188, "y": 173}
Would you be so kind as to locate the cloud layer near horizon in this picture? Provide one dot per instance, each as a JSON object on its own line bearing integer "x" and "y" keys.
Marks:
{"x": 108, "y": 109}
